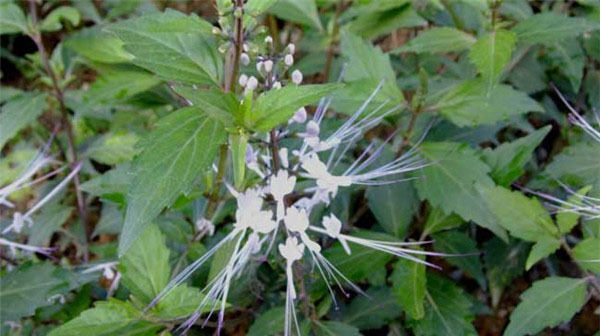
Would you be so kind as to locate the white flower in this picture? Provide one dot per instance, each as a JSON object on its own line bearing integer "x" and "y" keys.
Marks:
{"x": 243, "y": 80}
{"x": 204, "y": 226}
{"x": 297, "y": 77}
{"x": 252, "y": 161}
{"x": 288, "y": 60}
{"x": 260, "y": 66}
{"x": 245, "y": 59}
{"x": 296, "y": 220}
{"x": 312, "y": 129}
{"x": 245, "y": 47}
{"x": 299, "y": 116}
{"x": 268, "y": 65}
{"x": 277, "y": 85}
{"x": 291, "y": 48}
{"x": 317, "y": 170}
{"x": 281, "y": 184}
{"x": 333, "y": 226}
{"x": 292, "y": 250}
{"x": 252, "y": 83}
{"x": 283, "y": 157}
{"x": 268, "y": 40}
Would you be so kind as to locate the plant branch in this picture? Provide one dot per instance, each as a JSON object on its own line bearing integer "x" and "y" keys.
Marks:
{"x": 58, "y": 91}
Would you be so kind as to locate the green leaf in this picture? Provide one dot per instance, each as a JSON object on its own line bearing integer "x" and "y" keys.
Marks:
{"x": 577, "y": 164}
{"x": 546, "y": 28}
{"x": 112, "y": 182}
{"x": 12, "y": 19}
{"x": 372, "y": 312}
{"x": 98, "y": 46}
{"x": 367, "y": 62}
{"x": 568, "y": 57}
{"x": 335, "y": 328}
{"x": 257, "y": 7}
{"x": 438, "y": 40}
{"x": 491, "y": 52}
{"x": 145, "y": 271}
{"x": 409, "y": 285}
{"x": 52, "y": 21}
{"x": 509, "y": 159}
{"x": 567, "y": 219}
{"x": 587, "y": 254}
{"x": 182, "y": 301}
{"x": 382, "y": 17}
{"x": 268, "y": 323}
{"x": 523, "y": 217}
{"x": 503, "y": 262}
{"x": 107, "y": 318}
{"x": 542, "y": 248}
{"x": 438, "y": 221}
{"x": 111, "y": 220}
{"x": 29, "y": 287}
{"x": 447, "y": 310}
{"x": 113, "y": 148}
{"x": 217, "y": 104}
{"x": 48, "y": 221}
{"x": 393, "y": 206}
{"x": 547, "y": 303}
{"x": 20, "y": 112}
{"x": 277, "y": 106}
{"x": 299, "y": 11}
{"x": 180, "y": 148}
{"x": 172, "y": 45}
{"x": 470, "y": 103}
{"x": 457, "y": 242}
{"x": 450, "y": 183}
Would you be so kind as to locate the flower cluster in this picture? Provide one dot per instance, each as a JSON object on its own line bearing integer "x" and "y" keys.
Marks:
{"x": 257, "y": 222}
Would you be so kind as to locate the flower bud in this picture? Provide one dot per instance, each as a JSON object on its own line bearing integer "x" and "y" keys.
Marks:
{"x": 259, "y": 66}
{"x": 245, "y": 59}
{"x": 245, "y": 47}
{"x": 297, "y": 77}
{"x": 252, "y": 83}
{"x": 277, "y": 85}
{"x": 288, "y": 59}
{"x": 291, "y": 48}
{"x": 300, "y": 116}
{"x": 243, "y": 80}
{"x": 269, "y": 40}
{"x": 268, "y": 65}
{"x": 216, "y": 31}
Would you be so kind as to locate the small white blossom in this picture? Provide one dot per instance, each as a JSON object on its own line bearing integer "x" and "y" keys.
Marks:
{"x": 291, "y": 48}
{"x": 288, "y": 60}
{"x": 283, "y": 157}
{"x": 277, "y": 85}
{"x": 268, "y": 40}
{"x": 299, "y": 116}
{"x": 333, "y": 226}
{"x": 245, "y": 59}
{"x": 297, "y": 77}
{"x": 280, "y": 185}
{"x": 292, "y": 250}
{"x": 260, "y": 66}
{"x": 268, "y": 64}
{"x": 243, "y": 80}
{"x": 252, "y": 83}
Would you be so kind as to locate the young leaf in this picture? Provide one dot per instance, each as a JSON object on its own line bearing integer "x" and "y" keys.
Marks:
{"x": 52, "y": 21}
{"x": 107, "y": 318}
{"x": 503, "y": 262}
{"x": 447, "y": 310}
{"x": 438, "y": 40}
{"x": 457, "y": 242}
{"x": 299, "y": 11}
{"x": 549, "y": 27}
{"x": 172, "y": 45}
{"x": 174, "y": 154}
{"x": 408, "y": 285}
{"x": 450, "y": 183}
{"x": 145, "y": 271}
{"x": 393, "y": 206}
{"x": 491, "y": 52}
{"x": 547, "y": 303}
{"x": 587, "y": 254}
{"x": 277, "y": 106}
{"x": 20, "y": 112}
{"x": 508, "y": 160}
{"x": 470, "y": 103}
{"x": 374, "y": 311}
{"x": 12, "y": 19}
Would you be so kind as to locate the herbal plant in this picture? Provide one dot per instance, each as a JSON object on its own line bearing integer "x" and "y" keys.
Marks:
{"x": 299, "y": 167}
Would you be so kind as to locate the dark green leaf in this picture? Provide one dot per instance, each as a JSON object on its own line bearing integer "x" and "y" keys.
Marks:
{"x": 409, "y": 285}
{"x": 438, "y": 40}
{"x": 439, "y": 221}
{"x": 394, "y": 206}
{"x": 20, "y": 112}
{"x": 12, "y": 19}
{"x": 335, "y": 328}
{"x": 457, "y": 242}
{"x": 268, "y": 323}
{"x": 587, "y": 254}
{"x": 503, "y": 262}
{"x": 52, "y": 21}
{"x": 374, "y": 311}
{"x": 549, "y": 28}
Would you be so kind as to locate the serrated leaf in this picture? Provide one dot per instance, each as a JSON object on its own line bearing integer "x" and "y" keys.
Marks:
{"x": 174, "y": 154}
{"x": 335, "y": 328}
{"x": 393, "y": 206}
{"x": 145, "y": 271}
{"x": 447, "y": 310}
{"x": 491, "y": 52}
{"x": 509, "y": 159}
{"x": 217, "y": 104}
{"x": 20, "y": 112}
{"x": 523, "y": 217}
{"x": 503, "y": 262}
{"x": 374, "y": 311}
{"x": 268, "y": 323}
{"x": 470, "y": 103}
{"x": 12, "y": 19}
{"x": 409, "y": 285}
{"x": 567, "y": 218}
{"x": 549, "y": 28}
{"x": 173, "y": 45}
{"x": 113, "y": 148}
{"x": 299, "y": 11}
{"x": 114, "y": 181}
{"x": 52, "y": 21}
{"x": 568, "y": 57}
{"x": 107, "y": 318}
{"x": 457, "y": 242}
{"x": 577, "y": 164}
{"x": 540, "y": 250}
{"x": 587, "y": 254}
{"x": 98, "y": 46}
{"x": 29, "y": 287}
{"x": 438, "y": 221}
{"x": 277, "y": 106}
{"x": 438, "y": 40}
{"x": 547, "y": 303}
{"x": 382, "y": 17}
{"x": 450, "y": 183}
{"x": 182, "y": 301}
